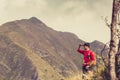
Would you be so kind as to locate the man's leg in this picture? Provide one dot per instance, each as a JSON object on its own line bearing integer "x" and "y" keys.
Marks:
{"x": 85, "y": 75}
{"x": 84, "y": 69}
{"x": 88, "y": 72}
{"x": 91, "y": 71}
{"x": 83, "y": 72}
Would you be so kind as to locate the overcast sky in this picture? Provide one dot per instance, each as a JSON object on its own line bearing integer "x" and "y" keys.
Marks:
{"x": 82, "y": 17}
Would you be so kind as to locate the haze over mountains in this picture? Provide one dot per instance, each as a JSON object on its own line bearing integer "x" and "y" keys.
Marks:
{"x": 30, "y": 50}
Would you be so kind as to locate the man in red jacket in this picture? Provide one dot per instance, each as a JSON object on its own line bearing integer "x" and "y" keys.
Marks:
{"x": 89, "y": 57}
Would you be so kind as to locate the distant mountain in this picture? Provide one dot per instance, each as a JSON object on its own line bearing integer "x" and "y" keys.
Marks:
{"x": 98, "y": 46}
{"x": 30, "y": 50}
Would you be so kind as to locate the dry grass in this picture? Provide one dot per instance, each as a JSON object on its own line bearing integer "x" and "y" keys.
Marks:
{"x": 45, "y": 71}
{"x": 76, "y": 77}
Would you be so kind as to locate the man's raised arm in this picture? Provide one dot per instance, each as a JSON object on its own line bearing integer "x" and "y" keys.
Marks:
{"x": 79, "y": 50}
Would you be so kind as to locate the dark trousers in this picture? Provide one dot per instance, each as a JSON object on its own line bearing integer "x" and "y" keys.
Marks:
{"x": 86, "y": 68}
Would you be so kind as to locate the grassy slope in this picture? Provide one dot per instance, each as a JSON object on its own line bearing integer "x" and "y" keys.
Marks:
{"x": 45, "y": 71}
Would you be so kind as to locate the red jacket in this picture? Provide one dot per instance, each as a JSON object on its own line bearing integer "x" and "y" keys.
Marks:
{"x": 85, "y": 54}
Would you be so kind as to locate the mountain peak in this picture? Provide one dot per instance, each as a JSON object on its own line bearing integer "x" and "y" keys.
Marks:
{"x": 96, "y": 42}
{"x": 34, "y": 20}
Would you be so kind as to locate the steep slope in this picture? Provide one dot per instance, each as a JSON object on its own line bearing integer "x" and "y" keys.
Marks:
{"x": 54, "y": 47}
{"x": 52, "y": 53}
{"x": 14, "y": 64}
{"x": 45, "y": 71}
{"x": 46, "y": 46}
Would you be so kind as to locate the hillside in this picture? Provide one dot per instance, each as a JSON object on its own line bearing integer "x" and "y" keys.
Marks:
{"x": 30, "y": 50}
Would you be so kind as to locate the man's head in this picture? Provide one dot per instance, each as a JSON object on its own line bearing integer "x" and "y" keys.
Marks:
{"x": 87, "y": 46}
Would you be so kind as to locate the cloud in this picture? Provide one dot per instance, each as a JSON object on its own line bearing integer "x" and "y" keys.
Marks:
{"x": 17, "y": 9}
{"x": 52, "y": 8}
{"x": 2, "y": 7}
{"x": 82, "y": 17}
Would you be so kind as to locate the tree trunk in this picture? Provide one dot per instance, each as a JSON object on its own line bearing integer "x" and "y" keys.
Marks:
{"x": 117, "y": 62}
{"x": 113, "y": 43}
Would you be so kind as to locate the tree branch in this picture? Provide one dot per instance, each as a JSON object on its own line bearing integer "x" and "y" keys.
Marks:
{"x": 106, "y": 22}
{"x": 103, "y": 59}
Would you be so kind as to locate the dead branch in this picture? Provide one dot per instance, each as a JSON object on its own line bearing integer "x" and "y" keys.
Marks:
{"x": 106, "y": 22}
{"x": 103, "y": 59}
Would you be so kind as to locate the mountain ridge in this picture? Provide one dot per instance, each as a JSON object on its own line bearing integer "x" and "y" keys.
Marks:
{"x": 56, "y": 49}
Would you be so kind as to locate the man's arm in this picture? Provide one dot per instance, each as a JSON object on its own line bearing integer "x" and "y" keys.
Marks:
{"x": 92, "y": 54}
{"x": 79, "y": 50}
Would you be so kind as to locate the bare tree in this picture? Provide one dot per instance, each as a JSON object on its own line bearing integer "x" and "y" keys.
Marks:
{"x": 113, "y": 42}
{"x": 117, "y": 62}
